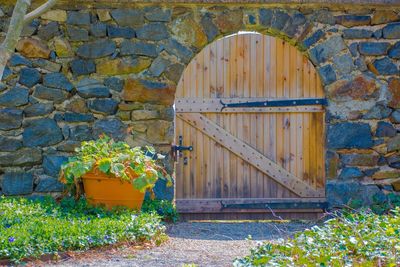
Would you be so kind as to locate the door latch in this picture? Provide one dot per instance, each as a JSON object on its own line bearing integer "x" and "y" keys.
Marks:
{"x": 177, "y": 149}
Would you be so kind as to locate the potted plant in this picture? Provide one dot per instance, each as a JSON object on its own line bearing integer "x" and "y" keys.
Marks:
{"x": 112, "y": 173}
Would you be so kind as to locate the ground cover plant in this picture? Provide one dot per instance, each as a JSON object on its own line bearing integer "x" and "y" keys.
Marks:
{"x": 31, "y": 228}
{"x": 349, "y": 239}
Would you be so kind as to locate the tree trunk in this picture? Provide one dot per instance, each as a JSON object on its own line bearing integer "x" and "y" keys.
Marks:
{"x": 13, "y": 33}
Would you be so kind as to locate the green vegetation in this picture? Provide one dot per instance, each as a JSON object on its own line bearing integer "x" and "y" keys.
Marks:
{"x": 114, "y": 158}
{"x": 349, "y": 239}
{"x": 164, "y": 208}
{"x": 31, "y": 228}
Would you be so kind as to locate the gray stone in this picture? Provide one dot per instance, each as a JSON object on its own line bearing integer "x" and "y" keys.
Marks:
{"x": 29, "y": 29}
{"x": 18, "y": 60}
{"x": 392, "y": 31}
{"x": 393, "y": 144}
{"x": 57, "y": 80}
{"x": 22, "y": 157}
{"x": 10, "y": 118}
{"x": 350, "y": 173}
{"x": 114, "y": 83}
{"x": 98, "y": 30}
{"x": 341, "y": 193}
{"x": 395, "y": 117}
{"x": 265, "y": 17}
{"x": 327, "y": 74}
{"x": 47, "y": 184}
{"x": 162, "y": 191}
{"x": 78, "y": 117}
{"x": 77, "y": 34}
{"x": 29, "y": 77}
{"x": 38, "y": 109}
{"x": 373, "y": 48}
{"x": 385, "y": 129}
{"x": 128, "y": 17}
{"x": 324, "y": 16}
{"x": 81, "y": 133}
{"x": 154, "y": 31}
{"x": 111, "y": 127}
{"x": 295, "y": 24}
{"x": 349, "y": 135}
{"x": 159, "y": 65}
{"x": 378, "y": 34}
{"x": 394, "y": 161}
{"x": 9, "y": 144}
{"x": 174, "y": 72}
{"x": 52, "y": 164}
{"x": 279, "y": 19}
{"x": 157, "y": 14}
{"x": 385, "y": 66}
{"x": 78, "y": 18}
{"x": 378, "y": 112}
{"x": 177, "y": 49}
{"x": 47, "y": 65}
{"x": 394, "y": 52}
{"x": 326, "y": 50}
{"x": 15, "y": 97}
{"x": 49, "y": 31}
{"x": 7, "y": 73}
{"x": 107, "y": 106}
{"x": 353, "y": 20}
{"x": 97, "y": 49}
{"x": 138, "y": 48}
{"x": 82, "y": 67}
{"x": 361, "y": 65}
{"x": 357, "y": 33}
{"x": 314, "y": 38}
{"x": 120, "y": 32}
{"x": 88, "y": 88}
{"x": 41, "y": 132}
{"x": 50, "y": 94}
{"x": 344, "y": 64}
{"x": 17, "y": 183}
{"x": 209, "y": 27}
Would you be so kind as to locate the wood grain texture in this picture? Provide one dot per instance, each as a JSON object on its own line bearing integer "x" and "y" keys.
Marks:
{"x": 245, "y": 67}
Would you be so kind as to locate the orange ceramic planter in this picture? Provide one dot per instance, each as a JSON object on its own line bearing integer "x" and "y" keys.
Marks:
{"x": 110, "y": 191}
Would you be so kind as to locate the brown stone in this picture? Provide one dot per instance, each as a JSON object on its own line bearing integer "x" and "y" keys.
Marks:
{"x": 140, "y": 127}
{"x": 62, "y": 47}
{"x": 137, "y": 91}
{"x": 332, "y": 165}
{"x": 77, "y": 105}
{"x": 55, "y": 15}
{"x": 130, "y": 106}
{"x": 381, "y": 149}
{"x": 138, "y": 115}
{"x": 230, "y": 21}
{"x": 121, "y": 66}
{"x": 393, "y": 144}
{"x": 370, "y": 159}
{"x": 124, "y": 115}
{"x": 396, "y": 185}
{"x": 386, "y": 174}
{"x": 103, "y": 14}
{"x": 69, "y": 146}
{"x": 360, "y": 88}
{"x": 189, "y": 31}
{"x": 394, "y": 89}
{"x": 383, "y": 16}
{"x": 159, "y": 132}
{"x": 33, "y": 48}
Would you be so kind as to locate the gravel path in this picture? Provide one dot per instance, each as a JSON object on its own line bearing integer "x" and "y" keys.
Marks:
{"x": 200, "y": 243}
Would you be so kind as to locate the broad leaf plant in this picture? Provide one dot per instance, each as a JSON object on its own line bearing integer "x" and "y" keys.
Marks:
{"x": 116, "y": 159}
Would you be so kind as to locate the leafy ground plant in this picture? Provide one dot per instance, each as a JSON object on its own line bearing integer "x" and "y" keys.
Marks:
{"x": 31, "y": 228}
{"x": 358, "y": 239}
{"x": 164, "y": 208}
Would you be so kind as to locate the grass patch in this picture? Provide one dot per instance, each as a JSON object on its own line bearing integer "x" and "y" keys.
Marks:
{"x": 30, "y": 228}
{"x": 349, "y": 239}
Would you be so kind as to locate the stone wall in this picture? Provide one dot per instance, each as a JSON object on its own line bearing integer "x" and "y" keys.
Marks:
{"x": 79, "y": 73}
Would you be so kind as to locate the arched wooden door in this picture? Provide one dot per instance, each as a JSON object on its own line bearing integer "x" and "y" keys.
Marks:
{"x": 248, "y": 157}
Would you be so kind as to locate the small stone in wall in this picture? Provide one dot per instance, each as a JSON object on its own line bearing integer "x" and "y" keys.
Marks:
{"x": 154, "y": 31}
{"x": 57, "y": 80}
{"x": 357, "y": 33}
{"x": 81, "y": 133}
{"x": 51, "y": 94}
{"x": 159, "y": 132}
{"x": 77, "y": 34}
{"x": 148, "y": 91}
{"x": 77, "y": 105}
{"x": 38, "y": 109}
{"x": 138, "y": 48}
{"x": 327, "y": 74}
{"x": 384, "y": 16}
{"x": 350, "y": 173}
{"x": 385, "y": 129}
{"x": 386, "y": 173}
{"x": 374, "y": 48}
{"x": 97, "y": 49}
{"x": 52, "y": 164}
{"x": 314, "y": 38}
{"x": 395, "y": 117}
{"x": 189, "y": 31}
{"x": 103, "y": 15}
{"x": 174, "y": 72}
{"x": 392, "y": 31}
{"x": 265, "y": 16}
{"x": 29, "y": 77}
{"x": 10, "y": 118}
{"x": 326, "y": 50}
{"x": 9, "y": 144}
{"x": 33, "y": 48}
{"x": 128, "y": 17}
{"x": 15, "y": 97}
{"x": 138, "y": 115}
{"x": 360, "y": 87}
{"x": 157, "y": 14}
{"x": 385, "y": 66}
{"x": 103, "y": 106}
{"x": 112, "y": 127}
{"x": 55, "y": 15}
{"x": 47, "y": 65}
{"x": 394, "y": 52}
{"x": 349, "y": 135}
{"x": 22, "y": 157}
{"x": 120, "y": 32}
{"x": 48, "y": 31}
{"x": 344, "y": 64}
{"x": 18, "y": 60}
{"x": 120, "y": 66}
{"x": 378, "y": 112}
{"x": 175, "y": 48}
{"x": 78, "y": 18}
{"x": 88, "y": 88}
{"x": 82, "y": 67}
{"x": 41, "y": 132}
{"x": 78, "y": 117}
{"x": 360, "y": 159}
{"x": 394, "y": 161}
{"x": 353, "y": 20}
{"x": 17, "y": 183}
{"x": 394, "y": 89}
{"x": 229, "y": 21}
{"x": 159, "y": 65}
{"x": 47, "y": 184}
{"x": 114, "y": 83}
{"x": 98, "y": 30}
{"x": 62, "y": 47}
{"x": 393, "y": 143}
{"x": 209, "y": 27}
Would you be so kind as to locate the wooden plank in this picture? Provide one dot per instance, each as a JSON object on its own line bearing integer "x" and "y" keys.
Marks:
{"x": 249, "y": 154}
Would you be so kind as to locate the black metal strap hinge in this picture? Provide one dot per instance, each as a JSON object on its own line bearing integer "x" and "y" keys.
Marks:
{"x": 276, "y": 103}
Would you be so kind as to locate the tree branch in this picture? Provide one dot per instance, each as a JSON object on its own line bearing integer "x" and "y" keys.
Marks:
{"x": 39, "y": 11}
